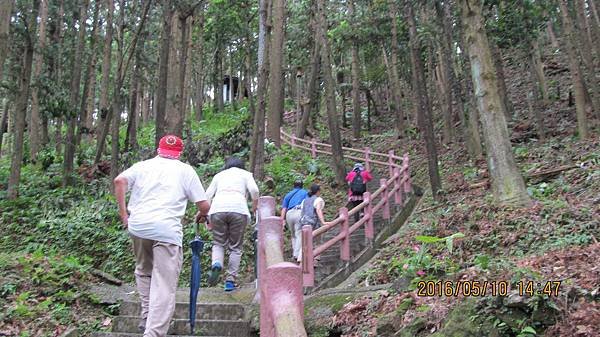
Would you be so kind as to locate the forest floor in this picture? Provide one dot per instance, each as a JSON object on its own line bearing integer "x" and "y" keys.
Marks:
{"x": 556, "y": 239}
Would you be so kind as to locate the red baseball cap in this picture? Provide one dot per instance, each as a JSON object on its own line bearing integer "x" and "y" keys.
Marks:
{"x": 170, "y": 146}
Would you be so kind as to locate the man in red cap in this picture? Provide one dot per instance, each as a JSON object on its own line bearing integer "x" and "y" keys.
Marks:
{"x": 160, "y": 190}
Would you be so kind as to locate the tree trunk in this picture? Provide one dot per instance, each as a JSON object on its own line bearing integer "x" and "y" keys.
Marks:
{"x": 6, "y": 7}
{"x": 104, "y": 111}
{"x": 163, "y": 70}
{"x": 445, "y": 58}
{"x": 90, "y": 73}
{"x": 188, "y": 62}
{"x": 21, "y": 106}
{"x": 551, "y": 34}
{"x": 132, "y": 119}
{"x": 174, "y": 85}
{"x": 356, "y": 111}
{"x": 585, "y": 48}
{"x": 219, "y": 80}
{"x": 575, "y": 70}
{"x": 507, "y": 183}
{"x": 3, "y": 124}
{"x": 258, "y": 129}
{"x": 199, "y": 74}
{"x": 276, "y": 93}
{"x": 423, "y": 104}
{"x": 396, "y": 95}
{"x": 70, "y": 145}
{"x": 328, "y": 81}
{"x": 499, "y": 69}
{"x": 538, "y": 71}
{"x": 34, "y": 124}
{"x": 312, "y": 92}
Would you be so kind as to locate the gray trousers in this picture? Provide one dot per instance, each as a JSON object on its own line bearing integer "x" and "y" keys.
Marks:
{"x": 228, "y": 231}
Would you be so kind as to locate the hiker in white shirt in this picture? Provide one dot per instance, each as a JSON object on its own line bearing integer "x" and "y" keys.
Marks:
{"x": 160, "y": 190}
{"x": 228, "y": 217}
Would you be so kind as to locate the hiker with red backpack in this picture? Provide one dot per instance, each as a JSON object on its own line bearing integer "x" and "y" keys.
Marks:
{"x": 357, "y": 182}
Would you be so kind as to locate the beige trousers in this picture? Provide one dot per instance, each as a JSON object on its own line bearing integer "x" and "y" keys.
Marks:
{"x": 292, "y": 218}
{"x": 157, "y": 268}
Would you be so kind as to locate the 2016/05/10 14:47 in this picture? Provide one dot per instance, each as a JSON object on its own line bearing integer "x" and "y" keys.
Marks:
{"x": 484, "y": 288}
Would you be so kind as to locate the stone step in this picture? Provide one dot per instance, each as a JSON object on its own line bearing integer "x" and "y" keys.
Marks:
{"x": 204, "y": 311}
{"x": 237, "y": 328}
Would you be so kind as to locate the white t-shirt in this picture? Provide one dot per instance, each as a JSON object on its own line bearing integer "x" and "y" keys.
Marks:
{"x": 228, "y": 190}
{"x": 160, "y": 189}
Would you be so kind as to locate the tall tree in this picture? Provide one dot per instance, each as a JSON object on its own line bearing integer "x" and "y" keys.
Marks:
{"x": 312, "y": 89}
{"x": 276, "y": 77}
{"x": 258, "y": 131}
{"x": 423, "y": 104}
{"x": 574, "y": 70}
{"x": 34, "y": 123}
{"x": 30, "y": 20}
{"x": 199, "y": 68}
{"x": 394, "y": 75}
{"x": 74, "y": 95}
{"x": 160, "y": 104}
{"x": 356, "y": 111}
{"x": 84, "y": 123}
{"x": 328, "y": 81}
{"x": 507, "y": 183}
{"x": 6, "y": 7}
{"x": 104, "y": 108}
{"x": 445, "y": 63}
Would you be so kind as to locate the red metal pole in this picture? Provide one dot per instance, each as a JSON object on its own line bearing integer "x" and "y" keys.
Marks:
{"x": 308, "y": 264}
{"x": 345, "y": 246}
{"x": 369, "y": 230}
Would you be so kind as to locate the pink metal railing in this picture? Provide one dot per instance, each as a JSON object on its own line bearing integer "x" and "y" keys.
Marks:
{"x": 392, "y": 189}
{"x": 280, "y": 283}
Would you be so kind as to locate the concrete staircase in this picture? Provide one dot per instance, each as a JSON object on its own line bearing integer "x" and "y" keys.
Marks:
{"x": 330, "y": 259}
{"x": 218, "y": 314}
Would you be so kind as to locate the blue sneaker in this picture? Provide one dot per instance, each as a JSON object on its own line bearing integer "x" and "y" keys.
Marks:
{"x": 213, "y": 277}
{"x": 229, "y": 286}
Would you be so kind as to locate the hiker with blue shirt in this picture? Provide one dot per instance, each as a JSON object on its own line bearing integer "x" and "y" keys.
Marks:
{"x": 291, "y": 210}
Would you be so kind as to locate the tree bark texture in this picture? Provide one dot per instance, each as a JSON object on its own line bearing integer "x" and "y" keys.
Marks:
{"x": 507, "y": 183}
{"x": 499, "y": 69}
{"x": 276, "y": 91}
{"x": 312, "y": 92}
{"x": 585, "y": 48}
{"x": 199, "y": 73}
{"x": 445, "y": 62}
{"x": 329, "y": 83}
